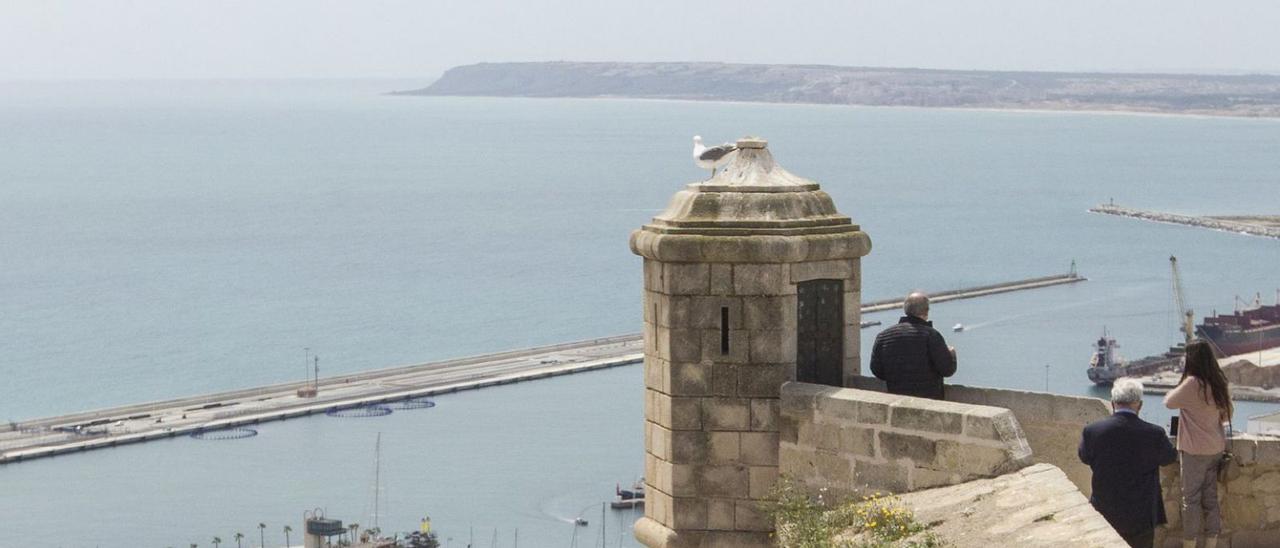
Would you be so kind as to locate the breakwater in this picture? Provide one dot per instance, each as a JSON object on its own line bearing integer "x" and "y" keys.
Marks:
{"x": 227, "y": 410}
{"x": 1213, "y": 223}
{"x": 980, "y": 291}
{"x": 240, "y": 408}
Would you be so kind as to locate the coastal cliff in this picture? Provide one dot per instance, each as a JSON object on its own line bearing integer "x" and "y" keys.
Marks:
{"x": 1234, "y": 95}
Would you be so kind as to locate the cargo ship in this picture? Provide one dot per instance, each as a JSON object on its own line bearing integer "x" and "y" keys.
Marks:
{"x": 1246, "y": 330}
{"x": 1107, "y": 365}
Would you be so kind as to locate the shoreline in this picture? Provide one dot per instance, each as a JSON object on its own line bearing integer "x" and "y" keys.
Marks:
{"x": 1220, "y": 115}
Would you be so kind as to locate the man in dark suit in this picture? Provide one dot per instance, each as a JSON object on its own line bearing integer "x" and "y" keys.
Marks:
{"x": 912, "y": 357}
{"x": 1126, "y": 453}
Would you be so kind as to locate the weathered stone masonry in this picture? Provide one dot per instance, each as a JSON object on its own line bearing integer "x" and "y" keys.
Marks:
{"x": 1250, "y": 498}
{"x": 853, "y": 441}
{"x": 745, "y": 275}
{"x": 752, "y": 281}
{"x": 1051, "y": 422}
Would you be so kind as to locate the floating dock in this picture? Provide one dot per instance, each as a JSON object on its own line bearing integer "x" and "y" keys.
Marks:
{"x": 238, "y": 408}
{"x": 1258, "y": 228}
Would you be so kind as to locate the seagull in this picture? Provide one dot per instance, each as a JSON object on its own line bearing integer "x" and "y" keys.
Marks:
{"x": 711, "y": 158}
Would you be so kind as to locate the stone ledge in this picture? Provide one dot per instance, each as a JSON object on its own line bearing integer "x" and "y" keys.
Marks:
{"x": 854, "y": 440}
{"x": 1250, "y": 497}
{"x": 750, "y": 248}
{"x": 1037, "y": 506}
{"x": 1050, "y": 423}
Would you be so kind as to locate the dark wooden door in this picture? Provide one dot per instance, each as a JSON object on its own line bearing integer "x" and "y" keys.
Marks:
{"x": 820, "y": 332}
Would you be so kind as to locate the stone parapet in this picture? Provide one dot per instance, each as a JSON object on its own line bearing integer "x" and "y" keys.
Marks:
{"x": 1250, "y": 497}
{"x": 854, "y": 441}
{"x": 1052, "y": 423}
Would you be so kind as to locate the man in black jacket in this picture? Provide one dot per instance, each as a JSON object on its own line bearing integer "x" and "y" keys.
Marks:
{"x": 1126, "y": 453}
{"x": 912, "y": 357}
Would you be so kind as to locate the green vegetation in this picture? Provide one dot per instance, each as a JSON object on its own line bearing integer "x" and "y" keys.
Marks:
{"x": 878, "y": 520}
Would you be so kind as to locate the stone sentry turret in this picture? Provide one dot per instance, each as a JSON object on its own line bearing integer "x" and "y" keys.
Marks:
{"x": 752, "y": 278}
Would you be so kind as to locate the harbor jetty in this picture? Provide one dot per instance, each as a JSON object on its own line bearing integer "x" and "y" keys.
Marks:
{"x": 209, "y": 414}
{"x": 368, "y": 391}
{"x": 980, "y": 291}
{"x": 1161, "y": 382}
{"x": 1268, "y": 227}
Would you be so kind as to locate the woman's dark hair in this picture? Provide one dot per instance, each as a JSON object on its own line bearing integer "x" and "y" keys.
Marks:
{"x": 1201, "y": 364}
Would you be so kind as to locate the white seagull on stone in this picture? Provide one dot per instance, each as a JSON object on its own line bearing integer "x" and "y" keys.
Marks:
{"x": 711, "y": 157}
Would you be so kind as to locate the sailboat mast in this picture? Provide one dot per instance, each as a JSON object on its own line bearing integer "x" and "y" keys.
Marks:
{"x": 377, "y": 477}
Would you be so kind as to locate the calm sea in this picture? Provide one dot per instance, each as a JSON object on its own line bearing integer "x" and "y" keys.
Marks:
{"x": 161, "y": 239}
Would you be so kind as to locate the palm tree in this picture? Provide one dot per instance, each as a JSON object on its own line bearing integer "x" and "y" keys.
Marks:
{"x": 287, "y": 530}
{"x": 216, "y": 542}
{"x": 353, "y": 527}
{"x": 239, "y": 537}
{"x": 262, "y": 534}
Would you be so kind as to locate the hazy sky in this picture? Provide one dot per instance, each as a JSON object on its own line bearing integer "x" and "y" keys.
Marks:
{"x": 42, "y": 39}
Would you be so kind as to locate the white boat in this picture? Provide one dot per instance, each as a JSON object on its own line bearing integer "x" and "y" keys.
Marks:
{"x": 957, "y": 327}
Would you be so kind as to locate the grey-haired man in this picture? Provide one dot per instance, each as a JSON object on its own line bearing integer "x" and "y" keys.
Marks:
{"x": 1126, "y": 453}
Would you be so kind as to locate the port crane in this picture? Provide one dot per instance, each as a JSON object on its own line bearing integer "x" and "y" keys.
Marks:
{"x": 1186, "y": 315}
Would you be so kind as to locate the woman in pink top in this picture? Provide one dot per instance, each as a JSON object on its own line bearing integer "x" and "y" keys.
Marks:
{"x": 1204, "y": 404}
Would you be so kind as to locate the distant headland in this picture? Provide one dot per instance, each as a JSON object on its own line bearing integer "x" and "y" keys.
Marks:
{"x": 1256, "y": 95}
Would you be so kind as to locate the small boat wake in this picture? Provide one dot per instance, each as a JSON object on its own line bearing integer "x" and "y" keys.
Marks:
{"x": 560, "y": 508}
{"x": 1011, "y": 317}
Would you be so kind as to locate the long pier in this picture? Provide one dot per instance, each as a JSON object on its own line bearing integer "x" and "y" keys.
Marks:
{"x": 184, "y": 416}
{"x": 239, "y": 408}
{"x": 980, "y": 291}
{"x": 1264, "y": 229}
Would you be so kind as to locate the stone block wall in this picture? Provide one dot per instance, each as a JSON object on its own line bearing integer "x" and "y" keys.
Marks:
{"x": 1250, "y": 498}
{"x": 711, "y": 403}
{"x": 1052, "y": 423}
{"x": 854, "y": 441}
{"x": 685, "y": 303}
